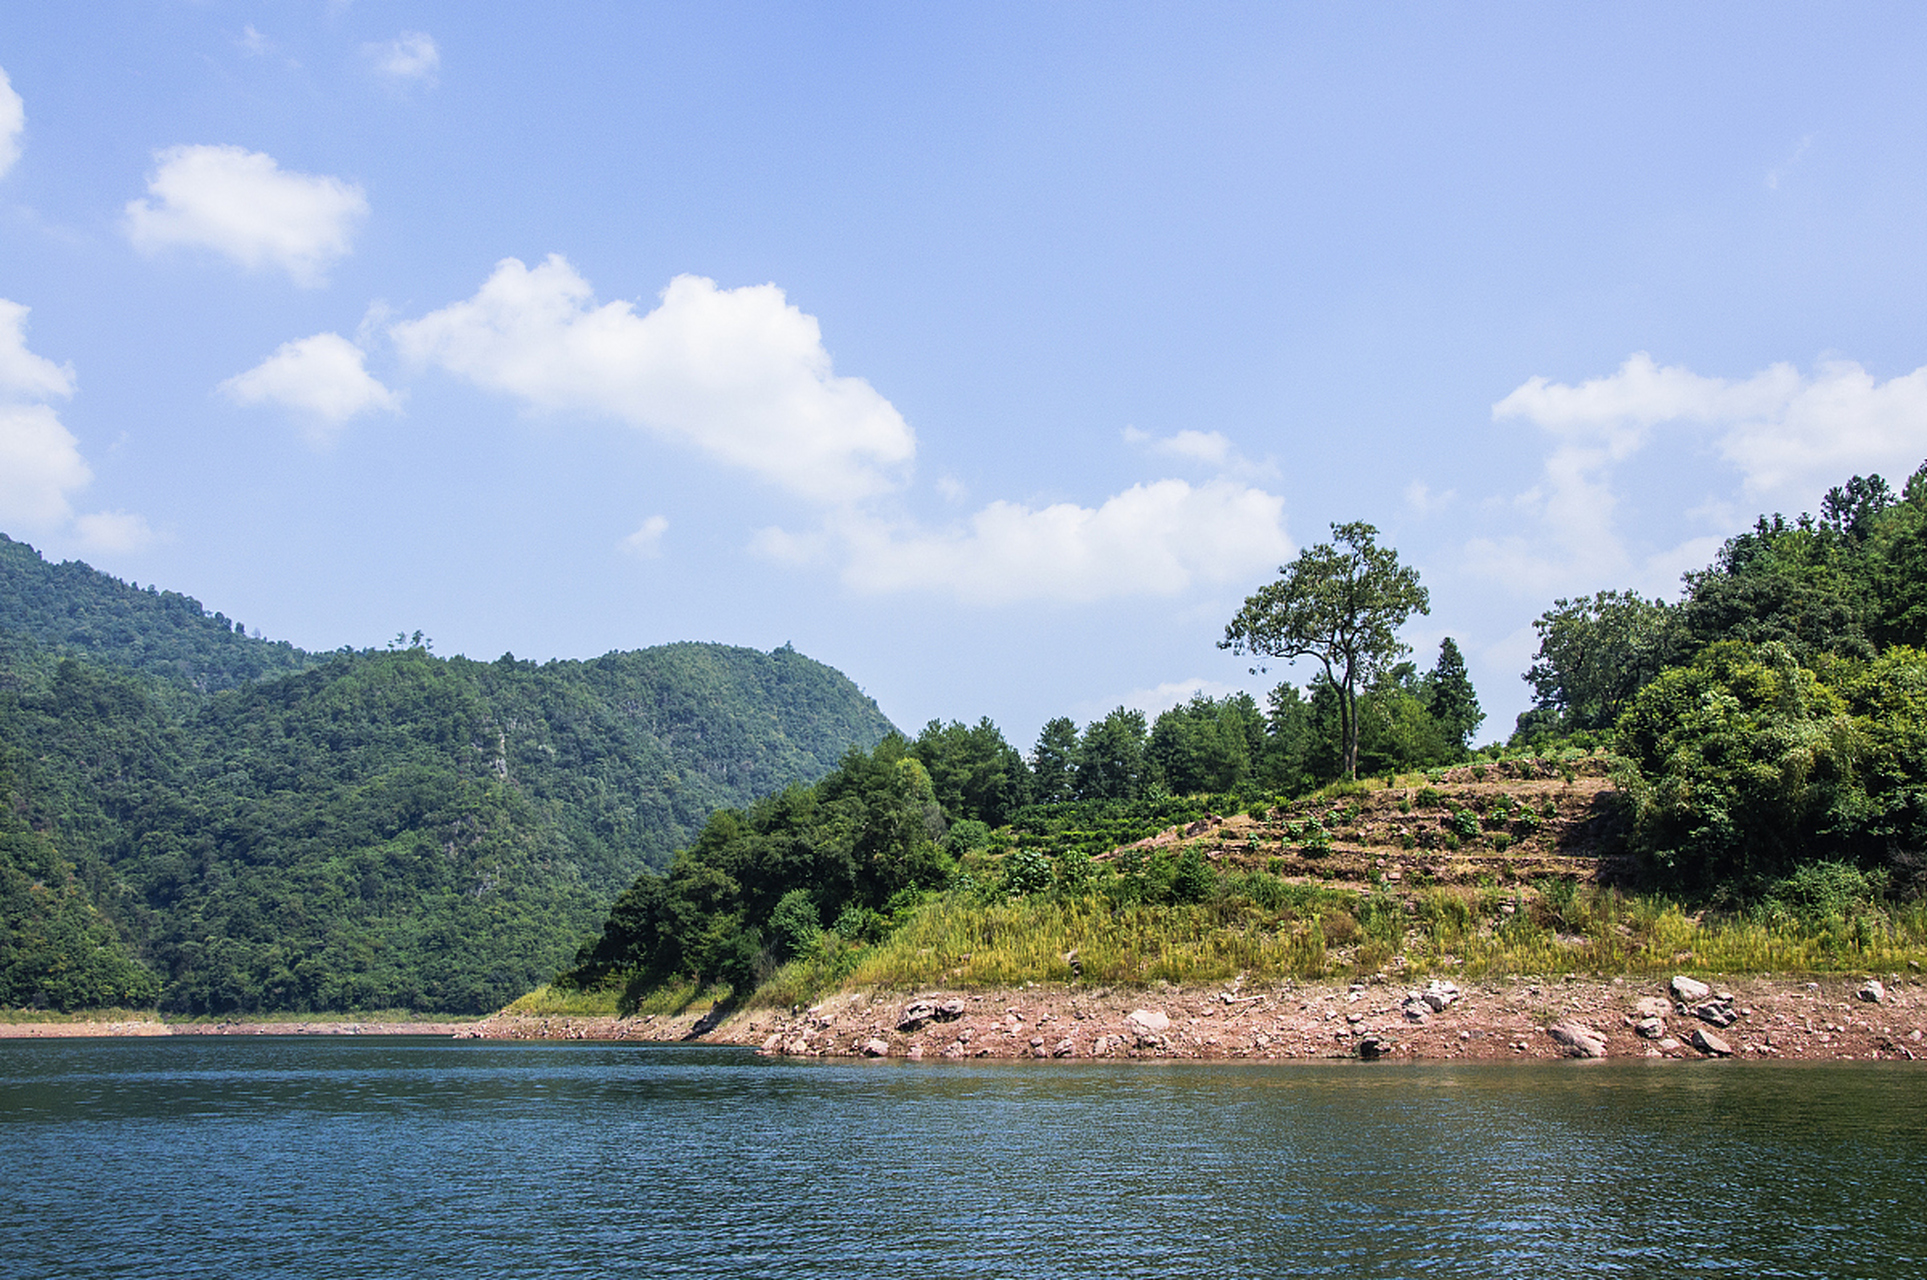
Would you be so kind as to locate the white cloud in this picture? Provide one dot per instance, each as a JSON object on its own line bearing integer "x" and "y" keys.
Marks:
{"x": 242, "y": 204}
{"x": 646, "y": 542}
{"x": 1420, "y": 498}
{"x": 13, "y": 123}
{"x": 411, "y": 57}
{"x": 254, "y": 44}
{"x": 24, "y": 375}
{"x": 323, "y": 377}
{"x": 40, "y": 464}
{"x": 1206, "y": 448}
{"x": 114, "y": 531}
{"x": 1158, "y": 699}
{"x": 1789, "y": 437}
{"x": 1153, "y": 539}
{"x": 738, "y": 373}
{"x": 40, "y": 461}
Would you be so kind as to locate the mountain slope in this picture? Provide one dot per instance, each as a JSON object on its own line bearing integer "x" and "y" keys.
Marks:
{"x": 380, "y": 828}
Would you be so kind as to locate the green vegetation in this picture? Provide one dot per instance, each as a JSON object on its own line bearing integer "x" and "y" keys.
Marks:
{"x": 1777, "y": 715}
{"x": 1341, "y": 602}
{"x": 378, "y": 829}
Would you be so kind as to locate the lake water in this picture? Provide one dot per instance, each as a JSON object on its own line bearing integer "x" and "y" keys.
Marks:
{"x": 346, "y": 1158}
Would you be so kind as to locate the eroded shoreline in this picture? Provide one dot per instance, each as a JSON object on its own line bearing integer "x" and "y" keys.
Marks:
{"x": 1828, "y": 1019}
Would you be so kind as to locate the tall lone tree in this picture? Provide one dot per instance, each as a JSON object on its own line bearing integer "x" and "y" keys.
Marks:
{"x": 1341, "y": 602}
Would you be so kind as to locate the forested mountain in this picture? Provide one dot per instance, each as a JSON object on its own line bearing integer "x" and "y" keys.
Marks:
{"x": 267, "y": 829}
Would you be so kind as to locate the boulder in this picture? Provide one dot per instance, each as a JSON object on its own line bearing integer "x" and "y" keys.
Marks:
{"x": 1374, "y": 1046}
{"x": 1149, "y": 1021}
{"x": 1652, "y": 1007}
{"x": 876, "y": 1048}
{"x": 1439, "y": 995}
{"x": 918, "y": 1012}
{"x": 1689, "y": 990}
{"x": 915, "y": 1054}
{"x": 1065, "y": 1048}
{"x": 1872, "y": 992}
{"x": 1650, "y": 1028}
{"x": 1578, "y": 1039}
{"x": 1715, "y": 1014}
{"x": 1709, "y": 1044}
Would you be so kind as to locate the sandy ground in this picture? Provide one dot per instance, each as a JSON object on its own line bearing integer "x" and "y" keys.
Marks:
{"x": 1747, "y": 1018}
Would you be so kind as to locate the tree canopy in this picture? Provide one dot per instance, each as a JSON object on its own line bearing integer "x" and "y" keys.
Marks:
{"x": 1341, "y": 602}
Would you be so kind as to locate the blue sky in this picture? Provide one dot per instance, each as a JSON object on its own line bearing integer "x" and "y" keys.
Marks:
{"x": 992, "y": 354}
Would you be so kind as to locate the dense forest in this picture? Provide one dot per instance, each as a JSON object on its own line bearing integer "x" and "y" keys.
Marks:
{"x": 1768, "y": 735}
{"x": 226, "y": 824}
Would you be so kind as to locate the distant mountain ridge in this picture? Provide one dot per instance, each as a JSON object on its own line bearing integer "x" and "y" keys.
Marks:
{"x": 267, "y": 829}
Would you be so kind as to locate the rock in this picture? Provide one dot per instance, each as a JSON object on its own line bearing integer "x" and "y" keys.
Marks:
{"x": 1872, "y": 992}
{"x": 915, "y": 1054}
{"x": 1650, "y": 1028}
{"x": 1668, "y": 1045}
{"x": 1415, "y": 1009}
{"x": 1689, "y": 990}
{"x": 1439, "y": 994}
{"x": 1371, "y": 1046}
{"x": 1715, "y": 1013}
{"x": 797, "y": 1047}
{"x": 1354, "y": 1018}
{"x": 1652, "y": 1007}
{"x": 1065, "y": 1048}
{"x": 1578, "y": 1039}
{"x": 954, "y": 1049}
{"x": 1708, "y": 1043}
{"x": 876, "y": 1048}
{"x": 1149, "y": 1021}
{"x": 915, "y": 1014}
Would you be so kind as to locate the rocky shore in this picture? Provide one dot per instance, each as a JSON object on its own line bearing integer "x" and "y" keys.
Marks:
{"x": 1859, "y": 1018}
{"x": 1680, "y": 1017}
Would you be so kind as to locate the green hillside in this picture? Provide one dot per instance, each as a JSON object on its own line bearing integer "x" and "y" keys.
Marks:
{"x": 364, "y": 829}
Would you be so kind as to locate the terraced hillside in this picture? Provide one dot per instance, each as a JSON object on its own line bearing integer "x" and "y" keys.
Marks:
{"x": 1510, "y": 823}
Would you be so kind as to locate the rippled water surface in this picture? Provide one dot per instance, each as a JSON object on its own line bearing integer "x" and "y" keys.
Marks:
{"x": 419, "y": 1158}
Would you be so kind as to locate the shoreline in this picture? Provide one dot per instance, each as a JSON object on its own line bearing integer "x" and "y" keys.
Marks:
{"x": 1788, "y": 1018}
{"x": 1819, "y": 1019}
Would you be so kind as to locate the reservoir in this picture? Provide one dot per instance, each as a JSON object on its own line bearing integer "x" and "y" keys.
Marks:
{"x": 332, "y": 1157}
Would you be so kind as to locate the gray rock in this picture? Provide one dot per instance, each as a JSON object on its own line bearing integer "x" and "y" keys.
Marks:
{"x": 1650, "y": 1028}
{"x": 1708, "y": 1043}
{"x": 1668, "y": 1045}
{"x": 1371, "y": 1046}
{"x": 1578, "y": 1039}
{"x": 1439, "y": 995}
{"x": 876, "y": 1048}
{"x": 915, "y": 1054}
{"x": 1652, "y": 1007}
{"x": 1716, "y": 1014}
{"x": 1689, "y": 990}
{"x": 1065, "y": 1048}
{"x": 1872, "y": 992}
{"x": 1149, "y": 1021}
{"x": 915, "y": 1014}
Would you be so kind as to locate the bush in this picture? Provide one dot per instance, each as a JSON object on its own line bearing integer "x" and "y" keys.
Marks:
{"x": 1026, "y": 871}
{"x": 968, "y": 836}
{"x": 794, "y": 925}
{"x": 1193, "y": 880}
{"x": 1429, "y": 798}
{"x": 1464, "y": 824}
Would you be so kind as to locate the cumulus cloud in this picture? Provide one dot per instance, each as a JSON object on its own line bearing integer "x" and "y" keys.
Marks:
{"x": 242, "y": 204}
{"x": 410, "y": 58}
{"x": 323, "y": 378}
{"x": 24, "y": 375}
{"x": 1153, "y": 539}
{"x": 13, "y": 123}
{"x": 739, "y": 374}
{"x": 646, "y": 542}
{"x": 40, "y": 465}
{"x": 1788, "y": 436}
{"x": 1160, "y": 698}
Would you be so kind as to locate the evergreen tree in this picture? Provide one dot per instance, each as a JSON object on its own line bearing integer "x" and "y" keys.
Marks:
{"x": 1450, "y": 698}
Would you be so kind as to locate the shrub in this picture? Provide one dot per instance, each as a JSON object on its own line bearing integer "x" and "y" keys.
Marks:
{"x": 1429, "y": 798}
{"x": 1193, "y": 880}
{"x": 969, "y": 835}
{"x": 1026, "y": 871}
{"x": 1463, "y": 823}
{"x": 794, "y": 925}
